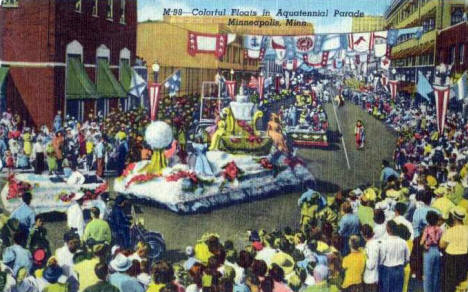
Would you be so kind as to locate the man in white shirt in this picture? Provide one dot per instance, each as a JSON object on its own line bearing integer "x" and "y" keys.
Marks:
{"x": 372, "y": 248}
{"x": 400, "y": 210}
{"x": 75, "y": 217}
{"x": 394, "y": 255}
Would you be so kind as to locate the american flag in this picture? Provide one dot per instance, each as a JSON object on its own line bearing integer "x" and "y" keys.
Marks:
{"x": 173, "y": 83}
{"x": 258, "y": 84}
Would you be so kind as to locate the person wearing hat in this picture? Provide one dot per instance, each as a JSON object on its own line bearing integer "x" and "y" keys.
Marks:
{"x": 464, "y": 201}
{"x": 454, "y": 242}
{"x": 119, "y": 222}
{"x": 74, "y": 212}
{"x": 53, "y": 274}
{"x": 101, "y": 272}
{"x": 441, "y": 202}
{"x": 85, "y": 269}
{"x": 120, "y": 279}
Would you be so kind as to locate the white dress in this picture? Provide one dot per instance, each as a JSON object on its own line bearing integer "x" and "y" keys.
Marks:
{"x": 75, "y": 218}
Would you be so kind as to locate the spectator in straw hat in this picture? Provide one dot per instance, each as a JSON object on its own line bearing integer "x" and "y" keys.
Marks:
{"x": 455, "y": 244}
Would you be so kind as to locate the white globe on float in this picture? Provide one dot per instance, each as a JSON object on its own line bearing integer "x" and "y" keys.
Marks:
{"x": 158, "y": 135}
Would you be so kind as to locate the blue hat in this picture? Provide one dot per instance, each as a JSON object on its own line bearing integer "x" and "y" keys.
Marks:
{"x": 52, "y": 273}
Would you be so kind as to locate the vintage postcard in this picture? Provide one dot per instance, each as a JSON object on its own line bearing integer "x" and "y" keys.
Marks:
{"x": 233, "y": 146}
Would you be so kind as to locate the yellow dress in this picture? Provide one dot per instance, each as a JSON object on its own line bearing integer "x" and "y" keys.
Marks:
{"x": 216, "y": 138}
{"x": 27, "y": 144}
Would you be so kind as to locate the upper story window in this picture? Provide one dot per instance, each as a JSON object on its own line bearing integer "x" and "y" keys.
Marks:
{"x": 9, "y": 3}
{"x": 110, "y": 10}
{"x": 428, "y": 24}
{"x": 78, "y": 5}
{"x": 452, "y": 55}
{"x": 456, "y": 16}
{"x": 95, "y": 7}
{"x": 461, "y": 52}
{"x": 122, "y": 11}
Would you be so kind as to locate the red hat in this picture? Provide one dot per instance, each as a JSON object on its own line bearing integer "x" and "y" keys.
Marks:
{"x": 257, "y": 245}
{"x": 39, "y": 256}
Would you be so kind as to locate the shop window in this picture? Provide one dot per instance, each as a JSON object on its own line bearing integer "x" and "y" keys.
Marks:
{"x": 95, "y": 7}
{"x": 461, "y": 52}
{"x": 451, "y": 57}
{"x": 110, "y": 10}
{"x": 456, "y": 16}
{"x": 9, "y": 3}
{"x": 122, "y": 11}
{"x": 78, "y": 5}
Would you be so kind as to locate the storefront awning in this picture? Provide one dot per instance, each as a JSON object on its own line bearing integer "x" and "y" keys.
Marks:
{"x": 107, "y": 85}
{"x": 78, "y": 85}
{"x": 126, "y": 76}
{"x": 3, "y": 74}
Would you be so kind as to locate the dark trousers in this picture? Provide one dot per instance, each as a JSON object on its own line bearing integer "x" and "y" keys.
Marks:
{"x": 455, "y": 268}
{"x": 391, "y": 279}
{"x": 416, "y": 259}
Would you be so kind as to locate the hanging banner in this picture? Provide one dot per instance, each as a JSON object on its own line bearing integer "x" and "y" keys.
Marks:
{"x": 206, "y": 43}
{"x": 316, "y": 60}
{"x": 261, "y": 83}
{"x": 442, "y": 94}
{"x": 254, "y": 46}
{"x": 393, "y": 84}
{"x": 380, "y": 44}
{"x": 153, "y": 93}
{"x": 305, "y": 43}
{"x": 361, "y": 42}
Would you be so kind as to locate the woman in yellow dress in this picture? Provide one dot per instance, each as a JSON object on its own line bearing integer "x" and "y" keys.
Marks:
{"x": 274, "y": 131}
{"x": 27, "y": 146}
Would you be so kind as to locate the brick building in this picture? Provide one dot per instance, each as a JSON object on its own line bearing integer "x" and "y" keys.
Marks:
{"x": 452, "y": 47}
{"x": 68, "y": 55}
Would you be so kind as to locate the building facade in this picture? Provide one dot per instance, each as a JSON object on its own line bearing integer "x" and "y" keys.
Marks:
{"x": 419, "y": 53}
{"x": 452, "y": 47}
{"x": 165, "y": 42}
{"x": 367, "y": 23}
{"x": 67, "y": 55}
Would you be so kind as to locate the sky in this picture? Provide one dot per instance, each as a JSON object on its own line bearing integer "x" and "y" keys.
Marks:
{"x": 153, "y": 9}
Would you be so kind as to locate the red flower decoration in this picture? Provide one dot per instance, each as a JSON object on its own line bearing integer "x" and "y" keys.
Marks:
{"x": 266, "y": 163}
{"x": 129, "y": 169}
{"x": 141, "y": 178}
{"x": 67, "y": 197}
{"x": 253, "y": 139}
{"x": 16, "y": 188}
{"x": 231, "y": 171}
{"x": 292, "y": 162}
{"x": 182, "y": 174}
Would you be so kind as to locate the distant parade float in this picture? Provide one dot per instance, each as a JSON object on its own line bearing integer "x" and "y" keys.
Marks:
{"x": 307, "y": 121}
{"x": 230, "y": 161}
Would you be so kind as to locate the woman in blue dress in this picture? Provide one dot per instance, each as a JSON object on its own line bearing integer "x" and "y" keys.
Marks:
{"x": 202, "y": 165}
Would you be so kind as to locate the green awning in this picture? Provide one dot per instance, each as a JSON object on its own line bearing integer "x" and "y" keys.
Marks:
{"x": 78, "y": 85}
{"x": 126, "y": 76}
{"x": 3, "y": 74}
{"x": 107, "y": 85}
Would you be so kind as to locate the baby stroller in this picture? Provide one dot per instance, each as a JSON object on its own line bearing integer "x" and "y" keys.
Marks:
{"x": 154, "y": 240}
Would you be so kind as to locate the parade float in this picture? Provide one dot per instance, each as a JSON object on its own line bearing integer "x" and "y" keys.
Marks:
{"x": 240, "y": 164}
{"x": 307, "y": 122}
{"x": 49, "y": 193}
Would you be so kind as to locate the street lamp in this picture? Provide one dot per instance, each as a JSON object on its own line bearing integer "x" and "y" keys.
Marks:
{"x": 232, "y": 73}
{"x": 155, "y": 69}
